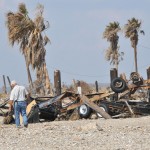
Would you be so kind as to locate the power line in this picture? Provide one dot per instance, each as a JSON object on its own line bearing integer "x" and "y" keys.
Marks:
{"x": 144, "y": 46}
{"x": 71, "y": 73}
{"x": 84, "y": 74}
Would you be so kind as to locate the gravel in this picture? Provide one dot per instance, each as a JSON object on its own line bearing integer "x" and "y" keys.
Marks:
{"x": 94, "y": 134}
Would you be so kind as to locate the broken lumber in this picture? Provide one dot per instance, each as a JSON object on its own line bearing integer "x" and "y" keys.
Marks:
{"x": 129, "y": 108}
{"x": 95, "y": 107}
{"x": 32, "y": 116}
{"x": 93, "y": 99}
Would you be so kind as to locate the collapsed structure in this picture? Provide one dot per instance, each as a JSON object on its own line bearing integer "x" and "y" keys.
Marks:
{"x": 69, "y": 105}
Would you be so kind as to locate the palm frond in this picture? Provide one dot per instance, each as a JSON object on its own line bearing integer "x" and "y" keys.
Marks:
{"x": 142, "y": 32}
{"x": 111, "y": 34}
{"x": 131, "y": 30}
{"x": 46, "y": 40}
{"x": 28, "y": 34}
{"x": 22, "y": 9}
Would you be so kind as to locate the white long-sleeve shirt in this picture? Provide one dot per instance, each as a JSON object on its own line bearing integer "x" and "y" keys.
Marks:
{"x": 18, "y": 93}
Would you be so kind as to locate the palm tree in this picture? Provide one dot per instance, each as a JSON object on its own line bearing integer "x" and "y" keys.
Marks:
{"x": 132, "y": 30}
{"x": 28, "y": 34}
{"x": 112, "y": 53}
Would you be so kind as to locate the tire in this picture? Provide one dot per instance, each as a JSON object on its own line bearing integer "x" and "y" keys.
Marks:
{"x": 84, "y": 111}
{"x": 104, "y": 107}
{"x": 118, "y": 85}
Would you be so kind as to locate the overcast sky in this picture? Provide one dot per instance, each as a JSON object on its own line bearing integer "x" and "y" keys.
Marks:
{"x": 77, "y": 47}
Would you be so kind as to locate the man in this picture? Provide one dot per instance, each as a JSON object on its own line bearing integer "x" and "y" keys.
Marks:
{"x": 18, "y": 101}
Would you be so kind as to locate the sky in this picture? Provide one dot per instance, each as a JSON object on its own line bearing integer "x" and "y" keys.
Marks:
{"x": 77, "y": 46}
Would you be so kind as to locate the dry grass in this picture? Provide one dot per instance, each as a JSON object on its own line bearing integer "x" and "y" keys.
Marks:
{"x": 2, "y": 95}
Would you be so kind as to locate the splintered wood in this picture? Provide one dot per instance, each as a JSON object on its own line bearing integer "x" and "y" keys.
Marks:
{"x": 95, "y": 107}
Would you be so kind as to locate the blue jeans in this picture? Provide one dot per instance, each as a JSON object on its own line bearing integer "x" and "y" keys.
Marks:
{"x": 20, "y": 108}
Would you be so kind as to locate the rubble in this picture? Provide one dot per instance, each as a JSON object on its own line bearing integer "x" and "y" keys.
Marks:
{"x": 72, "y": 106}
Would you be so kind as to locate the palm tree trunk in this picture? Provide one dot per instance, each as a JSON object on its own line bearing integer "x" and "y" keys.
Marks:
{"x": 135, "y": 59}
{"x": 116, "y": 63}
{"x": 116, "y": 66}
{"x": 29, "y": 75}
{"x": 41, "y": 79}
{"x": 47, "y": 80}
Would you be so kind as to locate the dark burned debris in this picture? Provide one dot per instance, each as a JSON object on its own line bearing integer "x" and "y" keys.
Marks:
{"x": 72, "y": 106}
{"x": 65, "y": 105}
{"x": 68, "y": 103}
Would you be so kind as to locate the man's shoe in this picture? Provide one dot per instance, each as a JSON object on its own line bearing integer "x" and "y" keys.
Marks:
{"x": 26, "y": 125}
{"x": 19, "y": 127}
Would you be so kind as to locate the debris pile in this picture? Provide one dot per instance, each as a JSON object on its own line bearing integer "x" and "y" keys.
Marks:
{"x": 73, "y": 106}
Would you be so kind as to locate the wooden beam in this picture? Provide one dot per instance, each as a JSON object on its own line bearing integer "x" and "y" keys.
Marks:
{"x": 148, "y": 77}
{"x": 9, "y": 82}
{"x": 73, "y": 106}
{"x": 5, "y": 91}
{"x": 57, "y": 82}
{"x": 100, "y": 97}
{"x": 114, "y": 74}
{"x": 129, "y": 108}
{"x": 95, "y": 107}
{"x": 28, "y": 109}
{"x": 93, "y": 99}
{"x": 96, "y": 85}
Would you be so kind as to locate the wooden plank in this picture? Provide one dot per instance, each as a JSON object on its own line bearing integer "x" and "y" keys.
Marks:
{"x": 100, "y": 97}
{"x": 95, "y": 107}
{"x": 146, "y": 81}
{"x": 30, "y": 106}
{"x": 73, "y": 106}
{"x": 28, "y": 109}
{"x": 123, "y": 94}
{"x": 129, "y": 108}
{"x": 94, "y": 98}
